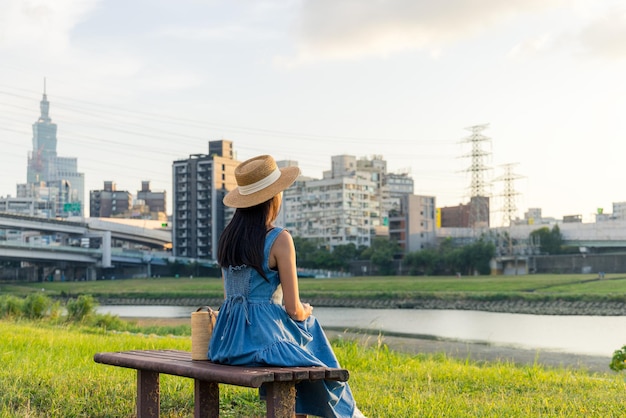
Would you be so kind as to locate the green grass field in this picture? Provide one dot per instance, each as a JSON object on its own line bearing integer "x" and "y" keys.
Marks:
{"x": 535, "y": 287}
{"x": 48, "y": 371}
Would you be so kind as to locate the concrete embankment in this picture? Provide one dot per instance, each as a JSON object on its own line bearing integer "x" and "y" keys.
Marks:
{"x": 555, "y": 307}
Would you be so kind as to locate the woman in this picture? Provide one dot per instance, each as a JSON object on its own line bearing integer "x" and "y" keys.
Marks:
{"x": 262, "y": 321}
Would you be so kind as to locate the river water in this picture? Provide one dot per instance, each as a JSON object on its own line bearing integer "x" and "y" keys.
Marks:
{"x": 591, "y": 335}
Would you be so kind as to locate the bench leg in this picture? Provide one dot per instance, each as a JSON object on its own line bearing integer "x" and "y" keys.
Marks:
{"x": 148, "y": 394}
{"x": 281, "y": 399}
{"x": 207, "y": 399}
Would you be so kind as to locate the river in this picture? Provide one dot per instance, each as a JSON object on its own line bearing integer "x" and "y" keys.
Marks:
{"x": 588, "y": 335}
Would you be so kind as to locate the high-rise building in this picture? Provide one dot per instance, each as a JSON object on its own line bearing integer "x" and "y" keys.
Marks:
{"x": 336, "y": 220}
{"x": 341, "y": 208}
{"x": 109, "y": 202}
{"x": 199, "y": 184}
{"x": 51, "y": 178}
{"x": 41, "y": 159}
{"x": 412, "y": 222}
{"x": 154, "y": 200}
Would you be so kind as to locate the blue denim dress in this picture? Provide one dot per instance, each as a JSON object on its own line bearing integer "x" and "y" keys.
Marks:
{"x": 253, "y": 329}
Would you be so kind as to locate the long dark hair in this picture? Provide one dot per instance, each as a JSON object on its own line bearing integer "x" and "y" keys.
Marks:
{"x": 243, "y": 239}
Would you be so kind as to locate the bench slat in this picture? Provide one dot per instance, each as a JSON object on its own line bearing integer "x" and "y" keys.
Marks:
{"x": 341, "y": 375}
{"x": 182, "y": 365}
{"x": 179, "y": 363}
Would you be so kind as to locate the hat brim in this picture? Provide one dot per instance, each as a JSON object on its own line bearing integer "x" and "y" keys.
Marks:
{"x": 235, "y": 199}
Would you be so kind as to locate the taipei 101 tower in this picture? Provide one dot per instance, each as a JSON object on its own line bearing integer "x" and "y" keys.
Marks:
{"x": 41, "y": 158}
{"x": 49, "y": 177}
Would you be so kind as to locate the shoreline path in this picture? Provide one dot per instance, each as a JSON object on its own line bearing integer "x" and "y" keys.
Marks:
{"x": 480, "y": 352}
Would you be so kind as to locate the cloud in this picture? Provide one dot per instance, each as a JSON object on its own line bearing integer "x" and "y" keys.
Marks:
{"x": 353, "y": 28}
{"x": 213, "y": 33}
{"x": 47, "y": 24}
{"x": 532, "y": 46}
{"x": 605, "y": 36}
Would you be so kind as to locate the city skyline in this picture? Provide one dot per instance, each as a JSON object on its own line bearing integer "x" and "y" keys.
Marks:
{"x": 135, "y": 87}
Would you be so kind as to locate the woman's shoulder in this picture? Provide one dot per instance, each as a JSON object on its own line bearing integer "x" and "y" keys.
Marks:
{"x": 277, "y": 231}
{"x": 282, "y": 234}
{"x": 283, "y": 240}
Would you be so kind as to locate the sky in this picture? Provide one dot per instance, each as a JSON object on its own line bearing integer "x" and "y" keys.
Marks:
{"x": 134, "y": 86}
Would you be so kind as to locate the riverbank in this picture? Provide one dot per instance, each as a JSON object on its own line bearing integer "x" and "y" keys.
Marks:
{"x": 480, "y": 352}
{"x": 460, "y": 350}
{"x": 552, "y": 307}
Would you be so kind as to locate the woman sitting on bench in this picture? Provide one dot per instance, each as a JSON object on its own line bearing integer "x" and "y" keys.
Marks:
{"x": 258, "y": 264}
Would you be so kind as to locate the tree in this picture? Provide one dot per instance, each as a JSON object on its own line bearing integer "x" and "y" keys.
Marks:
{"x": 306, "y": 250}
{"x": 550, "y": 241}
{"x": 426, "y": 262}
{"x": 344, "y": 254}
{"x": 478, "y": 256}
{"x": 311, "y": 253}
{"x": 380, "y": 253}
{"x": 448, "y": 259}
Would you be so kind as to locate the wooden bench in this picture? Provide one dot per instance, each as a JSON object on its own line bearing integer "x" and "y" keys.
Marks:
{"x": 280, "y": 381}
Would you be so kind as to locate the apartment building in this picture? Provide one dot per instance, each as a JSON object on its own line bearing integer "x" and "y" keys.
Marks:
{"x": 474, "y": 214}
{"x": 109, "y": 201}
{"x": 154, "y": 200}
{"x": 412, "y": 222}
{"x": 342, "y": 207}
{"x": 289, "y": 215}
{"x": 199, "y": 184}
{"x": 356, "y": 200}
{"x": 113, "y": 203}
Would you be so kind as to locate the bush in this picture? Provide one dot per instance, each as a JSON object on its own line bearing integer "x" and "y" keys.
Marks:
{"x": 36, "y": 306}
{"x": 110, "y": 322}
{"x": 11, "y": 306}
{"x": 80, "y": 308}
{"x": 618, "y": 363}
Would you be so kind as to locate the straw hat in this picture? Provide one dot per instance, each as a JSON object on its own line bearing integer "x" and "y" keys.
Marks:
{"x": 258, "y": 180}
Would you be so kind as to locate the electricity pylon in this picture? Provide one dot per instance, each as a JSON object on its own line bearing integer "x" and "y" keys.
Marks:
{"x": 479, "y": 187}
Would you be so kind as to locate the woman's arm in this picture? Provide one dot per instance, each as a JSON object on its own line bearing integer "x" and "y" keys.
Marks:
{"x": 283, "y": 256}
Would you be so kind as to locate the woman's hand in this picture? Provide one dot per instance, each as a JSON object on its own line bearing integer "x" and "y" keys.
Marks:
{"x": 300, "y": 314}
{"x": 308, "y": 309}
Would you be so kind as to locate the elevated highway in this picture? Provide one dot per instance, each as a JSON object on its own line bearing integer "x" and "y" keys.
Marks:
{"x": 89, "y": 228}
{"x": 28, "y": 252}
{"x": 53, "y": 244}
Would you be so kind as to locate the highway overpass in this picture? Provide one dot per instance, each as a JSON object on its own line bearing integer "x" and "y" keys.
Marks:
{"x": 86, "y": 247}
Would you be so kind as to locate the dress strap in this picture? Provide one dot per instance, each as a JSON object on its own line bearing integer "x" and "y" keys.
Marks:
{"x": 270, "y": 238}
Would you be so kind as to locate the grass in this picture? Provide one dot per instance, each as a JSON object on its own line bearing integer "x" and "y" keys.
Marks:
{"x": 48, "y": 371}
{"x": 530, "y": 287}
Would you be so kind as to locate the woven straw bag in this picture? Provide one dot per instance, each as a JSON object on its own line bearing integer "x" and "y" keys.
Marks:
{"x": 202, "y": 323}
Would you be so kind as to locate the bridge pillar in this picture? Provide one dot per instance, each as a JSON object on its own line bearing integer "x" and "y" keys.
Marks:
{"x": 106, "y": 249}
{"x": 91, "y": 273}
